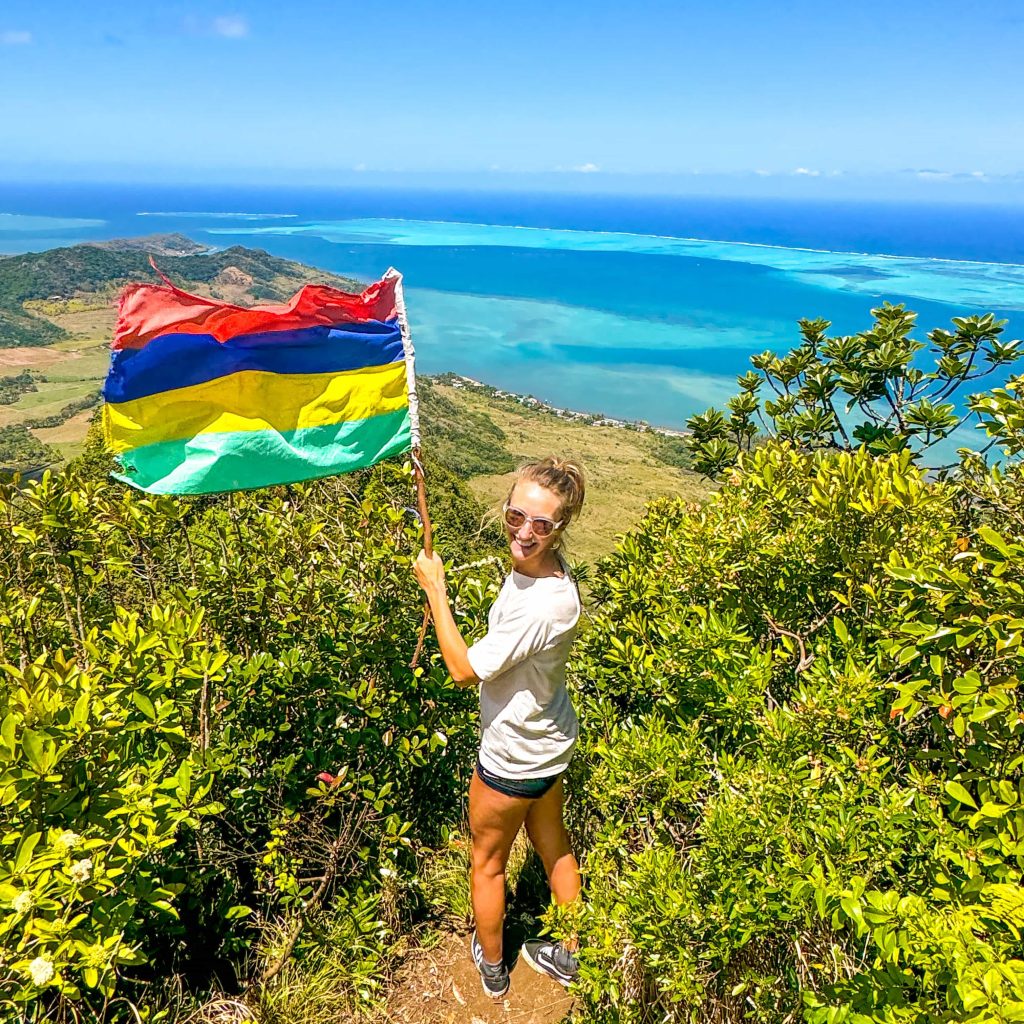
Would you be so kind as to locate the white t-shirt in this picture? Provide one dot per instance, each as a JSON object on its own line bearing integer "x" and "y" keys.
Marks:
{"x": 527, "y": 722}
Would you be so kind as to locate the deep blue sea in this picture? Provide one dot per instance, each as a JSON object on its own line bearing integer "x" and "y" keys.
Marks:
{"x": 640, "y": 307}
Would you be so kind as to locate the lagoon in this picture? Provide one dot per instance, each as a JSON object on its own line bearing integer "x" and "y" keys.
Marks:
{"x": 613, "y": 307}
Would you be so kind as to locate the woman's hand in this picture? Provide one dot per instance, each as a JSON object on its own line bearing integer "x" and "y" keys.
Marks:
{"x": 430, "y": 572}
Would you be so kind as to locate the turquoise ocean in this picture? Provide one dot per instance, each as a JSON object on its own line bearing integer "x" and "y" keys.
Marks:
{"x": 637, "y": 307}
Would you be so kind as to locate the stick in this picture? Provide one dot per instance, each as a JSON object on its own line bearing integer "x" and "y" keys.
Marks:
{"x": 421, "y": 502}
{"x": 414, "y": 422}
{"x": 428, "y": 545}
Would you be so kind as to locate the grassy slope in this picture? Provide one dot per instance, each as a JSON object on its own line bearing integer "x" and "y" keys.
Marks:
{"x": 623, "y": 472}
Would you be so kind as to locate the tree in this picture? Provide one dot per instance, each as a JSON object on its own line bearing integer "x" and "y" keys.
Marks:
{"x": 867, "y": 389}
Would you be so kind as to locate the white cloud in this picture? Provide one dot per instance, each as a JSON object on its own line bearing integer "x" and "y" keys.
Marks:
{"x": 360, "y": 168}
{"x": 587, "y": 168}
{"x": 231, "y": 26}
{"x": 761, "y": 173}
{"x": 807, "y": 172}
{"x": 15, "y": 37}
{"x": 932, "y": 174}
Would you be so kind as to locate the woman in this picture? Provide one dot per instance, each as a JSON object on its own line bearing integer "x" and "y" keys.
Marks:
{"x": 528, "y": 725}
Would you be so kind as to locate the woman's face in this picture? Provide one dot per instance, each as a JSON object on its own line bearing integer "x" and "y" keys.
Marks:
{"x": 528, "y": 550}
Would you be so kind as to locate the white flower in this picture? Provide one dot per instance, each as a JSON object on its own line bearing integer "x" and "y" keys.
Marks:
{"x": 23, "y": 902}
{"x": 69, "y": 840}
{"x": 41, "y": 971}
{"x": 81, "y": 870}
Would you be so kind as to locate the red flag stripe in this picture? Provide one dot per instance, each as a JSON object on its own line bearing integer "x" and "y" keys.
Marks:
{"x": 148, "y": 311}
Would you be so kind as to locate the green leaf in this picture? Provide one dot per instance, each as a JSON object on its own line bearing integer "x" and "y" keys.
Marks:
{"x": 991, "y": 809}
{"x": 958, "y": 792}
{"x": 994, "y": 540}
{"x": 8, "y": 733}
{"x": 80, "y": 714}
{"x": 25, "y": 850}
{"x": 183, "y": 778}
{"x": 40, "y": 751}
{"x": 144, "y": 704}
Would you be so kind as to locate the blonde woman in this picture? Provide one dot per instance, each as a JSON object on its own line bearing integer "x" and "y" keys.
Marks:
{"x": 528, "y": 725}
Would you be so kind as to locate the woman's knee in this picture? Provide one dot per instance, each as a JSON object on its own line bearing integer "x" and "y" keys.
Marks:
{"x": 551, "y": 841}
{"x": 488, "y": 861}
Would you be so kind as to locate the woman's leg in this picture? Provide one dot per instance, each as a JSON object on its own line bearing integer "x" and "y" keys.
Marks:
{"x": 494, "y": 820}
{"x": 546, "y": 829}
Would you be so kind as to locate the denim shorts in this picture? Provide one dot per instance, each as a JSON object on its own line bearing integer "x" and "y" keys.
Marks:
{"x": 529, "y": 789}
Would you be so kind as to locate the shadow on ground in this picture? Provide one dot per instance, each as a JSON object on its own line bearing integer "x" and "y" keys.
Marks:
{"x": 441, "y": 985}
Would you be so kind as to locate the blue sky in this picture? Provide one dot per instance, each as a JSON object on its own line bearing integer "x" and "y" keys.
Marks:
{"x": 792, "y": 97}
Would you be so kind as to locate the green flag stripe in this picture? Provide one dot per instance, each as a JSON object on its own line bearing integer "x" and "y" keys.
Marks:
{"x": 211, "y": 463}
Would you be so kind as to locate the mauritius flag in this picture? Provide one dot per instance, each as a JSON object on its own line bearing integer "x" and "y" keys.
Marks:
{"x": 204, "y": 396}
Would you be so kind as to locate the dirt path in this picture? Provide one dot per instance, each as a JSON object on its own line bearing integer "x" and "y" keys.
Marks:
{"x": 442, "y": 986}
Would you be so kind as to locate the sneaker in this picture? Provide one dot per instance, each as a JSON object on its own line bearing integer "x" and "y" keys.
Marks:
{"x": 552, "y": 959}
{"x": 493, "y": 977}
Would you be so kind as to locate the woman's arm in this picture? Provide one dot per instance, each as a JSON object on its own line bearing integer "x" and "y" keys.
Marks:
{"x": 430, "y": 574}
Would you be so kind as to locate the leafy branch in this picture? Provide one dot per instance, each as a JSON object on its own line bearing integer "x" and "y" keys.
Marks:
{"x": 871, "y": 389}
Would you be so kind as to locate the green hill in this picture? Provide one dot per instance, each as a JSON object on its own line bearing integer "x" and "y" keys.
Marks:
{"x": 34, "y": 286}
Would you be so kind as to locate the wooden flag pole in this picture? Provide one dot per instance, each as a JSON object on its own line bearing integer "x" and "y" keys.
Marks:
{"x": 428, "y": 545}
{"x": 421, "y": 503}
{"x": 414, "y": 422}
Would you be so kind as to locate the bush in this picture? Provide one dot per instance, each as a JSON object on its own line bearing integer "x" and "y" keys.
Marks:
{"x": 13, "y": 387}
{"x": 800, "y": 786}
{"x": 201, "y": 748}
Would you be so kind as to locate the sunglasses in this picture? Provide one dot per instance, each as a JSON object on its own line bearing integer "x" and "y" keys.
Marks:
{"x": 516, "y": 519}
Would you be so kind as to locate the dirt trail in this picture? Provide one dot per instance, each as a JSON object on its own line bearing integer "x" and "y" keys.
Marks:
{"x": 442, "y": 986}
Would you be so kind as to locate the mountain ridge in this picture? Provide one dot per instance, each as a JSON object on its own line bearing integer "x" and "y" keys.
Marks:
{"x": 34, "y": 285}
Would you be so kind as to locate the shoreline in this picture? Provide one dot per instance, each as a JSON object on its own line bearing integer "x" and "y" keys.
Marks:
{"x": 594, "y": 419}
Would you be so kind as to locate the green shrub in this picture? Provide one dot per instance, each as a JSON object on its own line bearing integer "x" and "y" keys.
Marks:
{"x": 176, "y": 675}
{"x": 799, "y": 792}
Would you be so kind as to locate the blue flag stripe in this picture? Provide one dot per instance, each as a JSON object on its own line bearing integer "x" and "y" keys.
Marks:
{"x": 174, "y": 361}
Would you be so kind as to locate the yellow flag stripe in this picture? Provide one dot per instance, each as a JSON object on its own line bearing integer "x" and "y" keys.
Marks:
{"x": 256, "y": 400}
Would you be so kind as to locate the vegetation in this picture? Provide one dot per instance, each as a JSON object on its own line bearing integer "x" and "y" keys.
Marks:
{"x": 466, "y": 440}
{"x": 21, "y": 451}
{"x": 87, "y": 401}
{"x": 801, "y": 788}
{"x": 899, "y": 405}
{"x": 13, "y": 387}
{"x": 197, "y": 748}
{"x": 799, "y": 791}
